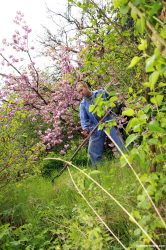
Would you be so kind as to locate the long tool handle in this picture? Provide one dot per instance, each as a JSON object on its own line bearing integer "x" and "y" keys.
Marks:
{"x": 86, "y": 139}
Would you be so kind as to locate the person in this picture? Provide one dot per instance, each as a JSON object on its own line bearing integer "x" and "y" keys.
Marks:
{"x": 97, "y": 139}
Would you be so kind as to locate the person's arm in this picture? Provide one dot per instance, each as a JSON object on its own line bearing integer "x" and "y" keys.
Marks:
{"x": 84, "y": 120}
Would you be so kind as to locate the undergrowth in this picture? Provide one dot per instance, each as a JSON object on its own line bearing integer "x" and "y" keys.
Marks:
{"x": 38, "y": 214}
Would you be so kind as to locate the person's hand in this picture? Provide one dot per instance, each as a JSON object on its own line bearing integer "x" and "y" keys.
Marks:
{"x": 84, "y": 132}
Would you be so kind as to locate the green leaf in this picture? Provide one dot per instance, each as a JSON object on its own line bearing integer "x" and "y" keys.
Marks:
{"x": 163, "y": 122}
{"x": 146, "y": 84}
{"x": 153, "y": 79}
{"x": 142, "y": 117}
{"x": 107, "y": 86}
{"x": 124, "y": 8}
{"x": 137, "y": 231}
{"x": 78, "y": 4}
{"x": 146, "y": 108}
{"x": 160, "y": 224}
{"x": 159, "y": 99}
{"x": 135, "y": 122}
{"x": 112, "y": 93}
{"x": 111, "y": 123}
{"x": 154, "y": 93}
{"x": 136, "y": 128}
{"x": 161, "y": 84}
{"x": 128, "y": 100}
{"x": 124, "y": 19}
{"x": 141, "y": 197}
{"x": 108, "y": 130}
{"x": 153, "y": 100}
{"x": 113, "y": 99}
{"x": 142, "y": 99}
{"x": 128, "y": 112}
{"x": 123, "y": 160}
{"x": 71, "y": 80}
{"x": 153, "y": 141}
{"x": 151, "y": 189}
{"x": 95, "y": 63}
{"x": 96, "y": 172}
{"x": 25, "y": 135}
{"x": 134, "y": 61}
{"x": 163, "y": 33}
{"x": 157, "y": 53}
{"x": 154, "y": 126}
{"x": 130, "y": 90}
{"x": 137, "y": 2}
{"x": 155, "y": 8}
{"x": 140, "y": 25}
{"x": 134, "y": 15}
{"x": 100, "y": 112}
{"x": 137, "y": 215}
{"x": 142, "y": 155}
{"x": 149, "y": 64}
{"x": 91, "y": 108}
{"x": 143, "y": 45}
{"x": 143, "y": 178}
{"x": 83, "y": 51}
{"x": 151, "y": 181}
{"x": 153, "y": 123}
{"x": 128, "y": 126}
{"x": 130, "y": 139}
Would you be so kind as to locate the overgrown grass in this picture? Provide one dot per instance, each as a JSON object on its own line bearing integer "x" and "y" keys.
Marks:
{"x": 38, "y": 214}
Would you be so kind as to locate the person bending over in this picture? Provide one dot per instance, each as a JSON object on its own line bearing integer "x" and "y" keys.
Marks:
{"x": 97, "y": 139}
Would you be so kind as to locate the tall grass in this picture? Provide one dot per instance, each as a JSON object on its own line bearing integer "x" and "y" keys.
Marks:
{"x": 39, "y": 214}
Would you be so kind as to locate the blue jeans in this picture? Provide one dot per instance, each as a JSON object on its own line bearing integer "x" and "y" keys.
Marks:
{"x": 96, "y": 144}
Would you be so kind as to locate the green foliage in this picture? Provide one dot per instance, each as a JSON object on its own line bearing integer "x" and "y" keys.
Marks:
{"x": 82, "y": 158}
{"x": 128, "y": 51}
{"x": 37, "y": 214}
{"x": 147, "y": 112}
{"x": 17, "y": 150}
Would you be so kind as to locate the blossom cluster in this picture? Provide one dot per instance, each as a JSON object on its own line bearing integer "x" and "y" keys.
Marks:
{"x": 56, "y": 107}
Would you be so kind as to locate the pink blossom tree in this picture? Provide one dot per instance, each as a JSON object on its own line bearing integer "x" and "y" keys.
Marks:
{"x": 53, "y": 108}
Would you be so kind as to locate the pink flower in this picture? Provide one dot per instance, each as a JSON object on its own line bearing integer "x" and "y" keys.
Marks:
{"x": 39, "y": 133}
{"x": 33, "y": 119}
{"x": 66, "y": 146}
{"x": 70, "y": 137}
{"x": 69, "y": 132}
{"x": 62, "y": 152}
{"x": 32, "y": 47}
